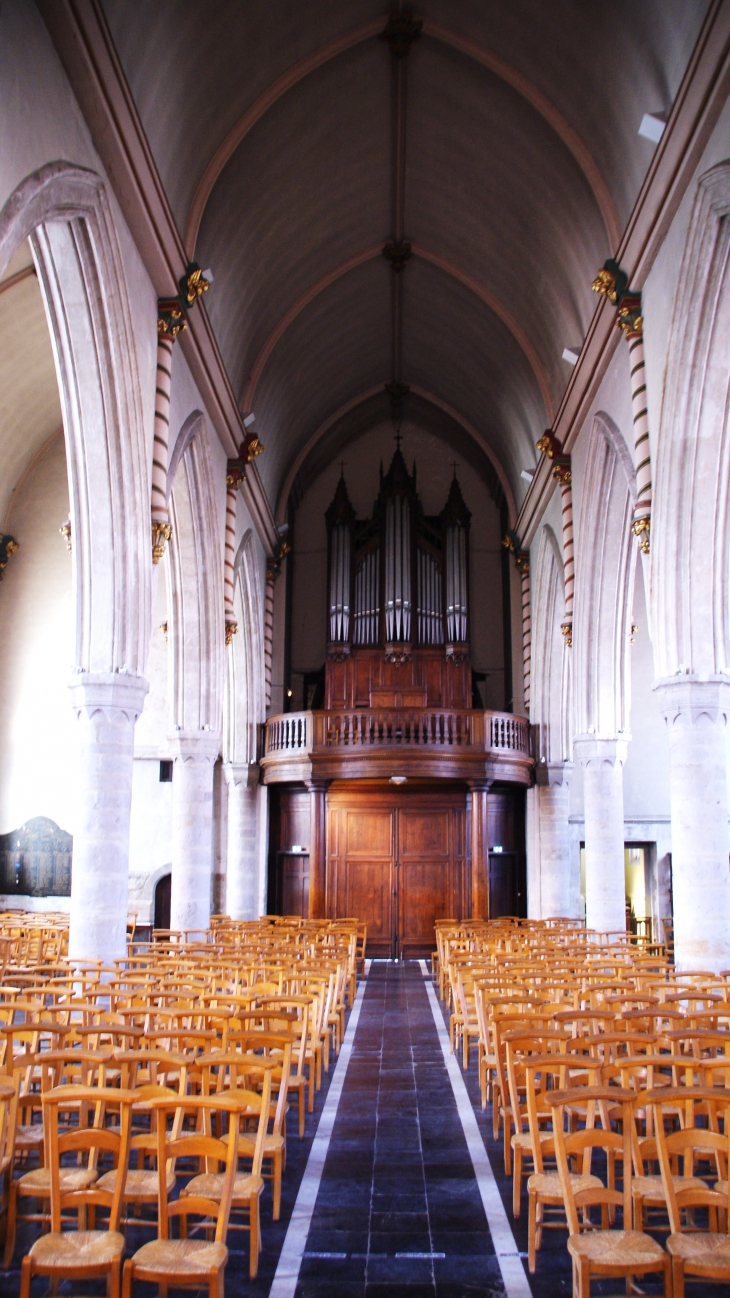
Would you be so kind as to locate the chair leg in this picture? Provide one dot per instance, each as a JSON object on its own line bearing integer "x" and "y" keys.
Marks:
{"x": 25, "y": 1276}
{"x": 127, "y": 1277}
{"x": 11, "y": 1226}
{"x": 531, "y": 1230}
{"x": 677, "y": 1277}
{"x": 301, "y": 1112}
{"x": 277, "y": 1172}
{"x": 254, "y": 1246}
{"x": 516, "y": 1182}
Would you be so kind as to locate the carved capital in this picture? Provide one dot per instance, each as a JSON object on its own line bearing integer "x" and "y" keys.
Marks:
{"x": 522, "y": 559}
{"x": 273, "y": 563}
{"x": 338, "y": 653}
{"x": 686, "y": 700}
{"x": 630, "y": 319}
{"x": 561, "y": 470}
{"x": 193, "y": 284}
{"x": 235, "y": 473}
{"x": 65, "y": 530}
{"x": 250, "y": 447}
{"x": 611, "y": 281}
{"x": 8, "y": 546}
{"x": 550, "y": 775}
{"x": 457, "y": 653}
{"x": 593, "y": 751}
{"x": 549, "y": 444}
{"x": 161, "y": 534}
{"x": 170, "y": 318}
{"x": 641, "y": 528}
{"x": 566, "y": 631}
{"x": 231, "y": 630}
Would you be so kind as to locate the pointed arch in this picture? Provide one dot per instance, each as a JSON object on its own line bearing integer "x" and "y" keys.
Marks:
{"x": 196, "y": 591}
{"x": 605, "y": 568}
{"x": 691, "y": 517}
{"x": 245, "y": 691}
{"x": 64, "y": 211}
{"x": 549, "y": 694}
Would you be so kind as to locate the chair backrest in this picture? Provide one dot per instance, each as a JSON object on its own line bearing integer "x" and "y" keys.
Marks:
{"x": 92, "y": 1141}
{"x": 690, "y": 1143}
{"x": 583, "y": 1142}
{"x": 201, "y": 1145}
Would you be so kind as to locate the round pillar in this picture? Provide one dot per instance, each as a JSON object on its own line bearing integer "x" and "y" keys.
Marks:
{"x": 603, "y": 802}
{"x": 557, "y": 894}
{"x": 192, "y": 828}
{"x": 106, "y": 708}
{"x": 242, "y": 781}
{"x": 696, "y": 715}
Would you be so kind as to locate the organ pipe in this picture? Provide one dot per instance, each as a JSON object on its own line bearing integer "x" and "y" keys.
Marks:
{"x": 455, "y": 520}
{"x": 397, "y": 570}
{"x": 367, "y": 603}
{"x": 340, "y": 518}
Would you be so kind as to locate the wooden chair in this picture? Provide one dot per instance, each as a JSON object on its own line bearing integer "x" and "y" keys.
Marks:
{"x": 186, "y": 1263}
{"x": 602, "y": 1253}
{"x": 698, "y": 1254}
{"x": 81, "y": 1254}
{"x": 275, "y": 1055}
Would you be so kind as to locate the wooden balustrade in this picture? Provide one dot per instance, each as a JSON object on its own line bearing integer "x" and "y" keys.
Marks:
{"x": 309, "y": 742}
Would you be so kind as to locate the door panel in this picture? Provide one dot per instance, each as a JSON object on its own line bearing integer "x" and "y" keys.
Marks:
{"x": 295, "y": 884}
{"x": 502, "y": 884}
{"x": 398, "y": 862}
{"x": 423, "y": 876}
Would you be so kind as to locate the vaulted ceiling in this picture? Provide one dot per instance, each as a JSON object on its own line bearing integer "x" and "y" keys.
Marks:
{"x": 503, "y": 148}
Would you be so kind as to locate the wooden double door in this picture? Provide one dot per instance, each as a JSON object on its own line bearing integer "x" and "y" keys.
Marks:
{"x": 397, "y": 860}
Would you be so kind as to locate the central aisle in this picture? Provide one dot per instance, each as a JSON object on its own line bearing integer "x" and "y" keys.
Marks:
{"x": 398, "y": 1203}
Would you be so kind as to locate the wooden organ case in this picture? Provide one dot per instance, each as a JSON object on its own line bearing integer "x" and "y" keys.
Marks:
{"x": 401, "y": 824}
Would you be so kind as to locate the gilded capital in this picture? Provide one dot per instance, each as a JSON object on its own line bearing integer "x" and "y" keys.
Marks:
{"x": 549, "y": 444}
{"x": 641, "y": 528}
{"x": 611, "y": 281}
{"x": 250, "y": 447}
{"x": 566, "y": 631}
{"x": 193, "y": 284}
{"x": 231, "y": 630}
{"x": 561, "y": 470}
{"x": 161, "y": 534}
{"x": 235, "y": 473}
{"x": 629, "y": 319}
{"x": 170, "y": 318}
{"x": 8, "y": 546}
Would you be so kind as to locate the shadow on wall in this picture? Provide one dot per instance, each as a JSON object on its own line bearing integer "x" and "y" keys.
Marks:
{"x": 35, "y": 860}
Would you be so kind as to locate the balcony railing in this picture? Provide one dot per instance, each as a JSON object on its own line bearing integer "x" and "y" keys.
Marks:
{"x": 298, "y": 735}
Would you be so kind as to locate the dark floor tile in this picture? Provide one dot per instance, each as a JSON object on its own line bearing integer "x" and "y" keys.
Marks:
{"x": 400, "y": 1270}
{"x": 397, "y": 1221}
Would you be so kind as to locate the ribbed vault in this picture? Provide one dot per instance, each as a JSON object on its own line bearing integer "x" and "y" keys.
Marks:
{"x": 273, "y": 129}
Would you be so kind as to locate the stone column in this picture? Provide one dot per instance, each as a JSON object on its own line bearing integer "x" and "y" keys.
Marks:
{"x": 318, "y": 848}
{"x": 553, "y": 801}
{"x": 479, "y": 849}
{"x": 242, "y": 781}
{"x": 603, "y": 801}
{"x": 106, "y": 708}
{"x": 696, "y": 714}
{"x": 192, "y": 827}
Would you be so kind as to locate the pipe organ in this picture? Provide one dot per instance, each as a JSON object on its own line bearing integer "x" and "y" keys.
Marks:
{"x": 398, "y": 590}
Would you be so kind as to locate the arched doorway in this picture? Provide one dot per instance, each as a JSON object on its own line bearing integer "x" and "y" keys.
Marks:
{"x": 163, "y": 892}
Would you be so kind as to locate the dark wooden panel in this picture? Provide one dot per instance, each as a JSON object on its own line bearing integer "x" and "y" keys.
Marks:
{"x": 368, "y": 866}
{"x": 424, "y": 870}
{"x": 294, "y": 884}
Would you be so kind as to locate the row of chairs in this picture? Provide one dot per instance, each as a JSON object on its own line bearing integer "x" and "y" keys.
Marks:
{"x": 585, "y": 1042}
{"x": 200, "y": 1038}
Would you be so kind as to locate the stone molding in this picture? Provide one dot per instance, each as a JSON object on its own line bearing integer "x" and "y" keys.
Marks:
{"x": 115, "y": 692}
{"x": 686, "y": 699}
{"x": 592, "y": 751}
{"x": 550, "y": 775}
{"x": 195, "y": 745}
{"x": 241, "y": 774}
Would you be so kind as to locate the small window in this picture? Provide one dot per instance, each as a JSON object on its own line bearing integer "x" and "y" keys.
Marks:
{"x": 165, "y": 772}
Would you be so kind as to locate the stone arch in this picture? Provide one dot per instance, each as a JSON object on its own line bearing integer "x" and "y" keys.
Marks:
{"x": 691, "y": 516}
{"x": 64, "y": 210}
{"x": 245, "y": 702}
{"x": 548, "y": 705}
{"x": 605, "y": 568}
{"x": 196, "y": 614}
{"x": 196, "y": 599}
